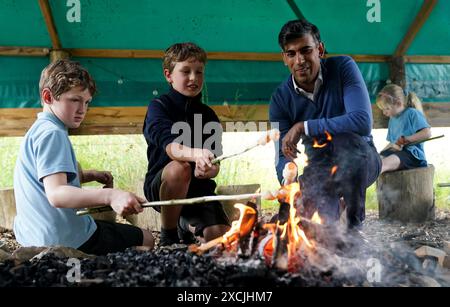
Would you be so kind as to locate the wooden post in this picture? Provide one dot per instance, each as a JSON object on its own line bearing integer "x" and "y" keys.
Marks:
{"x": 58, "y": 54}
{"x": 407, "y": 195}
{"x": 397, "y": 71}
{"x": 7, "y": 208}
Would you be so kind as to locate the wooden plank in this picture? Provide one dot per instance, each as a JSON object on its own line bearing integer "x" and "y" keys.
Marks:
{"x": 213, "y": 55}
{"x": 129, "y": 120}
{"x": 370, "y": 58}
{"x": 415, "y": 27}
{"x": 427, "y": 59}
{"x": 245, "y": 56}
{"x": 158, "y": 54}
{"x": 47, "y": 13}
{"x": 24, "y": 51}
{"x": 117, "y": 53}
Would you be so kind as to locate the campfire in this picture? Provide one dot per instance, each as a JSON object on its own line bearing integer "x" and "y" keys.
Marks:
{"x": 282, "y": 243}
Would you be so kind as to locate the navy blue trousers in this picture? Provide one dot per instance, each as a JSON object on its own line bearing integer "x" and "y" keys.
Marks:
{"x": 357, "y": 165}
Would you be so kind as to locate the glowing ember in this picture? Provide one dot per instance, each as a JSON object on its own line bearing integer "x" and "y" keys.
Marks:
{"x": 316, "y": 218}
{"x": 316, "y": 143}
{"x": 333, "y": 170}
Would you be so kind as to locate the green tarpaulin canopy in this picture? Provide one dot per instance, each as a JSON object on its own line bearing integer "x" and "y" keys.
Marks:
{"x": 217, "y": 26}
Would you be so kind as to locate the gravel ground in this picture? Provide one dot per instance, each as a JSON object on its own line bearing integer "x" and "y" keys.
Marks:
{"x": 391, "y": 243}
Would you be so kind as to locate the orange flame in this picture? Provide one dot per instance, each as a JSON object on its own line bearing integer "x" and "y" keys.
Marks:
{"x": 316, "y": 218}
{"x": 289, "y": 231}
{"x": 334, "y": 169}
{"x": 316, "y": 143}
{"x": 241, "y": 227}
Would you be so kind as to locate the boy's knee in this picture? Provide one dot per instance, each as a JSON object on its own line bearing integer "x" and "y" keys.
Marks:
{"x": 177, "y": 171}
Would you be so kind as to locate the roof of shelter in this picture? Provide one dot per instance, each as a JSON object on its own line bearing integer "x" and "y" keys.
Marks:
{"x": 121, "y": 43}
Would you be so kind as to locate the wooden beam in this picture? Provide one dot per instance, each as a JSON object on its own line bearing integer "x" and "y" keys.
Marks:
{"x": 237, "y": 56}
{"x": 48, "y": 18}
{"x": 294, "y": 7}
{"x": 117, "y": 53}
{"x": 243, "y": 56}
{"x": 158, "y": 54}
{"x": 129, "y": 120}
{"x": 213, "y": 55}
{"x": 24, "y": 51}
{"x": 415, "y": 27}
{"x": 364, "y": 57}
{"x": 427, "y": 59}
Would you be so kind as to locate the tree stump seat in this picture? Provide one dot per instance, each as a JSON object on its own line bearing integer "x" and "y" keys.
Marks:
{"x": 406, "y": 195}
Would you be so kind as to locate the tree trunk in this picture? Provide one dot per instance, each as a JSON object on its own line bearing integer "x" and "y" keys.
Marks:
{"x": 7, "y": 208}
{"x": 407, "y": 195}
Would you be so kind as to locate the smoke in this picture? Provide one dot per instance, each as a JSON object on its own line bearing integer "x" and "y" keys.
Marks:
{"x": 354, "y": 258}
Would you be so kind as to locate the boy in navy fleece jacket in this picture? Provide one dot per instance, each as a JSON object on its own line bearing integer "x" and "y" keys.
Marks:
{"x": 178, "y": 129}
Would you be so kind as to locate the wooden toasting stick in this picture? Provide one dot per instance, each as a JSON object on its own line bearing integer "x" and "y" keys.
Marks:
{"x": 176, "y": 202}
{"x": 271, "y": 135}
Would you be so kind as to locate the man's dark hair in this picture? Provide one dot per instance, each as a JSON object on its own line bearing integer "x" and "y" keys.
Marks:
{"x": 295, "y": 29}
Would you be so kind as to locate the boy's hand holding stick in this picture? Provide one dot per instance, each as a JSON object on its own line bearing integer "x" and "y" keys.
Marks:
{"x": 176, "y": 202}
{"x": 271, "y": 135}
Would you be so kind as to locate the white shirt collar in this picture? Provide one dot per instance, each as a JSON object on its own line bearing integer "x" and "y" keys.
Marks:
{"x": 317, "y": 86}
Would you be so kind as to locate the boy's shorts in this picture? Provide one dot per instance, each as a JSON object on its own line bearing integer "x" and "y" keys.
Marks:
{"x": 407, "y": 160}
{"x": 112, "y": 237}
{"x": 197, "y": 215}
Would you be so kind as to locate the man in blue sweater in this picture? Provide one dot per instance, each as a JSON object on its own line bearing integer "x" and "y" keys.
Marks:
{"x": 323, "y": 96}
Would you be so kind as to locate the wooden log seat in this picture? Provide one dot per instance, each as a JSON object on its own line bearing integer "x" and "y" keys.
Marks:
{"x": 406, "y": 195}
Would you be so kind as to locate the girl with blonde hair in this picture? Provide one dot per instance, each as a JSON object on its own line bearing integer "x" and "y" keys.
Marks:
{"x": 407, "y": 124}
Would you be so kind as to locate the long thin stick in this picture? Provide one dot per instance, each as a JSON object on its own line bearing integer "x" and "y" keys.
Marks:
{"x": 271, "y": 135}
{"x": 176, "y": 202}
{"x": 425, "y": 140}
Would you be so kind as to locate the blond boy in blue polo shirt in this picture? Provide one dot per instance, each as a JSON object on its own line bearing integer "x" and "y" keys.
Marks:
{"x": 47, "y": 177}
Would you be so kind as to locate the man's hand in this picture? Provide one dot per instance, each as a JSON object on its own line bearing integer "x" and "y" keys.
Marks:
{"x": 125, "y": 203}
{"x": 291, "y": 139}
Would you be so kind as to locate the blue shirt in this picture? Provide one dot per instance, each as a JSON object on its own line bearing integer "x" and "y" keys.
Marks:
{"x": 46, "y": 150}
{"x": 407, "y": 123}
{"x": 341, "y": 105}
